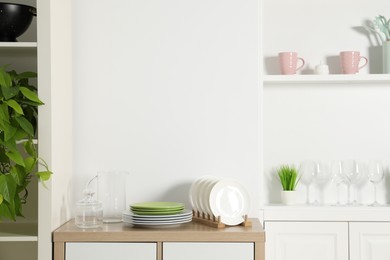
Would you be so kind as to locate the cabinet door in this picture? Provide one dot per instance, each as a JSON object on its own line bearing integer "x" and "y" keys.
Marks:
{"x": 369, "y": 241}
{"x": 306, "y": 240}
{"x": 208, "y": 251}
{"x": 110, "y": 251}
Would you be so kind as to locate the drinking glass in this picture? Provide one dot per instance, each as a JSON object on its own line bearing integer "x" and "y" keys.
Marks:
{"x": 338, "y": 177}
{"x": 375, "y": 176}
{"x": 355, "y": 176}
{"x": 320, "y": 178}
{"x": 306, "y": 171}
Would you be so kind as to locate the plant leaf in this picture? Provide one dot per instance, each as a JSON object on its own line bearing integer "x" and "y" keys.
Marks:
{"x": 30, "y": 149}
{"x": 30, "y": 95}
{"x": 1, "y": 198}
{"x": 18, "y": 174}
{"x": 25, "y": 125}
{"x": 27, "y": 74}
{"x": 7, "y": 210}
{"x": 7, "y": 187}
{"x": 4, "y": 112}
{"x": 9, "y": 92}
{"x": 5, "y": 79}
{"x": 15, "y": 105}
{"x": 16, "y": 157}
{"x": 29, "y": 163}
{"x": 44, "y": 175}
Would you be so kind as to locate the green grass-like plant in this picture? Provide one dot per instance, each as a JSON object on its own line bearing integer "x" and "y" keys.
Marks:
{"x": 289, "y": 177}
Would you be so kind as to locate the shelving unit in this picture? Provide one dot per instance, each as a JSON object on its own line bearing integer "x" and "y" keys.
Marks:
{"x": 18, "y": 232}
{"x": 323, "y": 117}
{"x": 46, "y": 49}
{"x": 18, "y": 45}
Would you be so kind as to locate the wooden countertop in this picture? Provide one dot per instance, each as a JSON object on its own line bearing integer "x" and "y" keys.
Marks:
{"x": 189, "y": 232}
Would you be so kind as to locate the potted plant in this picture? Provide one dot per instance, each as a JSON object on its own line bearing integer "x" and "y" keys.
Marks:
{"x": 18, "y": 149}
{"x": 380, "y": 27}
{"x": 289, "y": 179}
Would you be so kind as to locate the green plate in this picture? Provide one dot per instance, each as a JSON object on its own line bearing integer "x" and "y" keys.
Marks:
{"x": 171, "y": 212}
{"x": 157, "y": 206}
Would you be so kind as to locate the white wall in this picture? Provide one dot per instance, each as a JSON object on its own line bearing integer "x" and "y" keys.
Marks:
{"x": 167, "y": 90}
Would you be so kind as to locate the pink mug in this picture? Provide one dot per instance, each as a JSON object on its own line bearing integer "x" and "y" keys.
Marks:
{"x": 350, "y": 61}
{"x": 289, "y": 62}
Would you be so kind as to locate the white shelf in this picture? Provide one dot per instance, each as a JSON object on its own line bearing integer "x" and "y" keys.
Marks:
{"x": 326, "y": 79}
{"x": 18, "y": 232}
{"x": 18, "y": 44}
{"x": 325, "y": 213}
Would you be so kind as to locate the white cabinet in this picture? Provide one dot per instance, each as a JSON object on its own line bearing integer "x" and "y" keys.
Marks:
{"x": 208, "y": 251}
{"x": 306, "y": 240}
{"x": 108, "y": 251}
{"x": 369, "y": 241}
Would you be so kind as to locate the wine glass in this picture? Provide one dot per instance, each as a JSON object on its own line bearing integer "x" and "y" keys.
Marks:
{"x": 306, "y": 171}
{"x": 355, "y": 176}
{"x": 375, "y": 176}
{"x": 320, "y": 178}
{"x": 338, "y": 177}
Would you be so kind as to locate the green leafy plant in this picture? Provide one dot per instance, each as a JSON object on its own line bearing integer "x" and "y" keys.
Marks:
{"x": 18, "y": 152}
{"x": 380, "y": 26}
{"x": 288, "y": 177}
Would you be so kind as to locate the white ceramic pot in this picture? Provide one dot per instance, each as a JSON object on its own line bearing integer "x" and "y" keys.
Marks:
{"x": 290, "y": 197}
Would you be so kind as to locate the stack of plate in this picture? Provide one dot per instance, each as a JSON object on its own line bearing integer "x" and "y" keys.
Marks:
{"x": 220, "y": 197}
{"x": 157, "y": 214}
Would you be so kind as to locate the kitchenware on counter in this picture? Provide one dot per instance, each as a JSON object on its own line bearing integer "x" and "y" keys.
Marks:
{"x": 306, "y": 171}
{"x": 112, "y": 193}
{"x": 14, "y": 20}
{"x": 156, "y": 214}
{"x": 355, "y": 176}
{"x": 321, "y": 177}
{"x": 89, "y": 211}
{"x": 375, "y": 176}
{"x": 220, "y": 197}
{"x": 350, "y": 61}
{"x": 157, "y": 208}
{"x": 288, "y": 62}
{"x": 338, "y": 177}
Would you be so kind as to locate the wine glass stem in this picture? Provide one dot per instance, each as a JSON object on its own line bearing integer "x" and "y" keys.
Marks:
{"x": 349, "y": 194}
{"x": 375, "y": 201}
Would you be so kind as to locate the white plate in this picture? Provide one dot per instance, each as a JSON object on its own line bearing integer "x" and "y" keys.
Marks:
{"x": 194, "y": 192}
{"x": 205, "y": 196}
{"x": 198, "y": 198}
{"x": 151, "y": 223}
{"x": 229, "y": 200}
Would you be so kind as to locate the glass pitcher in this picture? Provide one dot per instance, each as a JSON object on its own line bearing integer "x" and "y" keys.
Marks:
{"x": 112, "y": 193}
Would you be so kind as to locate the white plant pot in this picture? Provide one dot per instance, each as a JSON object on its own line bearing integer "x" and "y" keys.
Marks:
{"x": 290, "y": 197}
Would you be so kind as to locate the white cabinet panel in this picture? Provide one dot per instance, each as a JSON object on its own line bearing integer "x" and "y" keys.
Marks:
{"x": 306, "y": 241}
{"x": 369, "y": 241}
{"x": 208, "y": 251}
{"x": 110, "y": 251}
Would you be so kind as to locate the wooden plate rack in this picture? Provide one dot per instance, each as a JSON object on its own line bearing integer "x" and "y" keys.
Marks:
{"x": 213, "y": 221}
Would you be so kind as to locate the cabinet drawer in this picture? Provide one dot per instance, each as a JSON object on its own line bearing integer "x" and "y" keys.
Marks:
{"x": 369, "y": 240}
{"x": 110, "y": 251}
{"x": 208, "y": 251}
{"x": 306, "y": 240}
